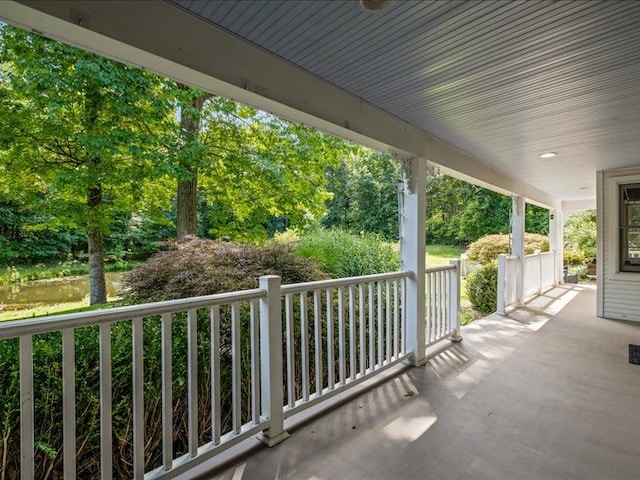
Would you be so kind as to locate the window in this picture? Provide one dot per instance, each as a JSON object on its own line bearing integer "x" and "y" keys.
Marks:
{"x": 630, "y": 228}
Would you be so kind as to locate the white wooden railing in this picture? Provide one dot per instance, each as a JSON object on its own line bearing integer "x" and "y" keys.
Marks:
{"x": 442, "y": 295}
{"x": 538, "y": 274}
{"x": 332, "y": 335}
{"x": 366, "y": 317}
{"x": 508, "y": 272}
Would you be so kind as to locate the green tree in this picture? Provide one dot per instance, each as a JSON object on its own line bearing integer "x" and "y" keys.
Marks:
{"x": 580, "y": 237}
{"x": 242, "y": 173}
{"x": 459, "y": 212}
{"x": 81, "y": 131}
{"x": 189, "y": 153}
{"x": 365, "y": 196}
{"x": 261, "y": 169}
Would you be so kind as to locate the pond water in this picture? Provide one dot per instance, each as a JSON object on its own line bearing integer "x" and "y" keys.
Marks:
{"x": 57, "y": 290}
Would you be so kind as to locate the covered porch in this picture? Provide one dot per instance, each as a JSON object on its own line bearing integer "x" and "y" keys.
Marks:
{"x": 546, "y": 392}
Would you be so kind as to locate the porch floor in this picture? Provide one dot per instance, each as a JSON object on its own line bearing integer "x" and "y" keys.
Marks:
{"x": 547, "y": 393}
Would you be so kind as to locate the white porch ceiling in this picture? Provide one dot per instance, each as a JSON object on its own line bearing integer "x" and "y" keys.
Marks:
{"x": 503, "y": 81}
{"x": 479, "y": 87}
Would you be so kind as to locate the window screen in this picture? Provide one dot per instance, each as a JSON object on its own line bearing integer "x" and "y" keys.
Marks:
{"x": 630, "y": 228}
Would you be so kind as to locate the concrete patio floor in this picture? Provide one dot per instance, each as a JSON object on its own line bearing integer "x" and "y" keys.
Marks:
{"x": 546, "y": 393}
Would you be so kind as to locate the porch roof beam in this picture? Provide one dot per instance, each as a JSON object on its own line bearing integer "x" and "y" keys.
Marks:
{"x": 162, "y": 38}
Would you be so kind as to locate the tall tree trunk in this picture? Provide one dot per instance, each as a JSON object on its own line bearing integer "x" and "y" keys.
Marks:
{"x": 187, "y": 214}
{"x": 187, "y": 220}
{"x": 97, "y": 280}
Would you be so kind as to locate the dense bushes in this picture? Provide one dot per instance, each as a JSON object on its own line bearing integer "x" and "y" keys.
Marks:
{"x": 203, "y": 267}
{"x": 482, "y": 285}
{"x": 344, "y": 254}
{"x": 365, "y": 196}
{"x": 487, "y": 248}
{"x": 194, "y": 268}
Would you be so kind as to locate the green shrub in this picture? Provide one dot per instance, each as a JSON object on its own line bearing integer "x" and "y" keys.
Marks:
{"x": 580, "y": 237}
{"x": 575, "y": 258}
{"x": 200, "y": 267}
{"x": 487, "y": 248}
{"x": 344, "y": 254}
{"x": 482, "y": 285}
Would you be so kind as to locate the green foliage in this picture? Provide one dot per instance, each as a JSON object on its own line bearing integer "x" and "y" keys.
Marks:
{"x": 81, "y": 132}
{"x": 344, "y": 254}
{"x": 256, "y": 173}
{"x": 468, "y": 315}
{"x": 459, "y": 212}
{"x": 204, "y": 267}
{"x": 73, "y": 121}
{"x": 487, "y": 248}
{"x": 365, "y": 197}
{"x": 482, "y": 285}
{"x": 536, "y": 219}
{"x": 21, "y": 239}
{"x": 580, "y": 237}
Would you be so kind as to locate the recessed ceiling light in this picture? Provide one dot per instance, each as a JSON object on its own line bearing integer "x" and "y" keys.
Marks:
{"x": 375, "y": 5}
{"x": 548, "y": 155}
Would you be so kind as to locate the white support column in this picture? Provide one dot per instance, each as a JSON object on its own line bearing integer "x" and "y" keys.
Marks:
{"x": 517, "y": 243}
{"x": 413, "y": 240}
{"x": 271, "y": 361}
{"x": 556, "y": 243}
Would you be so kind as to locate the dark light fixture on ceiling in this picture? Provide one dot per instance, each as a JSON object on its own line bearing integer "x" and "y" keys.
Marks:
{"x": 375, "y": 5}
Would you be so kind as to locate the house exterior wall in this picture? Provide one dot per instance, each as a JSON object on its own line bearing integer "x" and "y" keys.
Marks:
{"x": 618, "y": 292}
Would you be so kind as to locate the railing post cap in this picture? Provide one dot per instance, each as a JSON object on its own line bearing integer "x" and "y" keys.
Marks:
{"x": 268, "y": 277}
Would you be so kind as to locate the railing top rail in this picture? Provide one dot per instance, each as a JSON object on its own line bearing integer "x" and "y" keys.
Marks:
{"x": 341, "y": 282}
{"x": 440, "y": 268}
{"x": 30, "y": 326}
{"x": 531, "y": 255}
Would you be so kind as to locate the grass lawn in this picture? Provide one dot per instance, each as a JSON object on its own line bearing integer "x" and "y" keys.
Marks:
{"x": 441, "y": 254}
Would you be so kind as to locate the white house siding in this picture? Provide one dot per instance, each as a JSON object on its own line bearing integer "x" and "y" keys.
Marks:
{"x": 618, "y": 292}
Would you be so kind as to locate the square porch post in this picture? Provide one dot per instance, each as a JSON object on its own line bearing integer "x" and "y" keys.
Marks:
{"x": 517, "y": 243}
{"x": 412, "y": 246}
{"x": 556, "y": 243}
